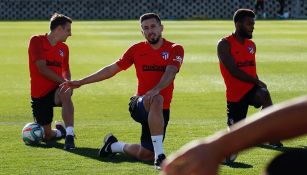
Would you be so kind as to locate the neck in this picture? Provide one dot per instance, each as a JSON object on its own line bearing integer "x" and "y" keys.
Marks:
{"x": 238, "y": 37}
{"x": 157, "y": 45}
{"x": 52, "y": 39}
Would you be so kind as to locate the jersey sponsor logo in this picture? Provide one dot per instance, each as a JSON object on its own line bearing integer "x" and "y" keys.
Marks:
{"x": 154, "y": 68}
{"x": 246, "y": 63}
{"x": 53, "y": 63}
{"x": 61, "y": 52}
{"x": 250, "y": 49}
{"x": 178, "y": 59}
{"x": 165, "y": 55}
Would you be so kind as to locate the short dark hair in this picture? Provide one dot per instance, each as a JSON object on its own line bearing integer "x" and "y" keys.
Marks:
{"x": 149, "y": 16}
{"x": 59, "y": 20}
{"x": 240, "y": 14}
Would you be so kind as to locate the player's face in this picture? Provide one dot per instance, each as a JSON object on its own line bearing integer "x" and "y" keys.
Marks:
{"x": 152, "y": 30}
{"x": 65, "y": 32}
{"x": 246, "y": 27}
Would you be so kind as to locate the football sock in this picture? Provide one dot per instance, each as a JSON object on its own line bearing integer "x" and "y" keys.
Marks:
{"x": 58, "y": 133}
{"x": 157, "y": 144}
{"x": 70, "y": 131}
{"x": 118, "y": 147}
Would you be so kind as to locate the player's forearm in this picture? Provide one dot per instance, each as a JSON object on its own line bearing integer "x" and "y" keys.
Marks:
{"x": 279, "y": 122}
{"x": 167, "y": 78}
{"x": 102, "y": 74}
{"x": 239, "y": 74}
{"x": 51, "y": 75}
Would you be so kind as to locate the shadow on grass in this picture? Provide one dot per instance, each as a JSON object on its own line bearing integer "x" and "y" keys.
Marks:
{"x": 265, "y": 146}
{"x": 92, "y": 153}
{"x": 238, "y": 165}
{"x": 281, "y": 149}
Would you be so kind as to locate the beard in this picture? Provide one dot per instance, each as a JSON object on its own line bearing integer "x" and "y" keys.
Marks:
{"x": 154, "y": 41}
{"x": 244, "y": 34}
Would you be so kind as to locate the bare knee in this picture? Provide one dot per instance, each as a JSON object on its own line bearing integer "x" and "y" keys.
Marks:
{"x": 65, "y": 95}
{"x": 157, "y": 101}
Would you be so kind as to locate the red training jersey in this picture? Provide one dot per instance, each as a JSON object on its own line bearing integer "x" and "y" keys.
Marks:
{"x": 244, "y": 57}
{"x": 150, "y": 65}
{"x": 56, "y": 57}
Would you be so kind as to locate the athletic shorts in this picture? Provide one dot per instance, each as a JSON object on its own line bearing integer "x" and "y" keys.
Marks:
{"x": 237, "y": 111}
{"x": 42, "y": 108}
{"x": 140, "y": 115}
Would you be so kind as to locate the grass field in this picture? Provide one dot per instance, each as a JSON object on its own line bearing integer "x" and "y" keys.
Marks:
{"x": 198, "y": 107}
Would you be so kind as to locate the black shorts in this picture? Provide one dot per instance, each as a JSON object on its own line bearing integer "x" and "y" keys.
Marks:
{"x": 237, "y": 111}
{"x": 140, "y": 115}
{"x": 42, "y": 108}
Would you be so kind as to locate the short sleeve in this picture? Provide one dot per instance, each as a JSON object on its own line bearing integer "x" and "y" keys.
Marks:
{"x": 35, "y": 48}
{"x": 66, "y": 59}
{"x": 176, "y": 57}
{"x": 126, "y": 60}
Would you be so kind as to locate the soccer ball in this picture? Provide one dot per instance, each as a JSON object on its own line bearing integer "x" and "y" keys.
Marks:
{"x": 32, "y": 134}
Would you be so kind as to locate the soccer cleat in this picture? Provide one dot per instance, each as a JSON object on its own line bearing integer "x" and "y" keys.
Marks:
{"x": 230, "y": 159}
{"x": 61, "y": 127}
{"x": 105, "y": 149}
{"x": 69, "y": 142}
{"x": 275, "y": 145}
{"x": 159, "y": 161}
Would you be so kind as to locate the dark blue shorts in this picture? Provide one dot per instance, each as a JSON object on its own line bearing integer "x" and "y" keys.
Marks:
{"x": 140, "y": 115}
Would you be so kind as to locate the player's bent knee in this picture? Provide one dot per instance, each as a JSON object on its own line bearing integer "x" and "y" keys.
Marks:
{"x": 265, "y": 92}
{"x": 262, "y": 95}
{"x": 65, "y": 96}
{"x": 158, "y": 100}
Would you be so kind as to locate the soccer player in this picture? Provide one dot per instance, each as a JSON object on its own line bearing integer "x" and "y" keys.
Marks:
{"x": 281, "y": 121}
{"x": 236, "y": 54}
{"x": 49, "y": 67}
{"x": 157, "y": 61}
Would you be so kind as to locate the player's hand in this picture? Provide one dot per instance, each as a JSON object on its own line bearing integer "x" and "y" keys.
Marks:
{"x": 148, "y": 97}
{"x": 71, "y": 84}
{"x": 65, "y": 89}
{"x": 195, "y": 158}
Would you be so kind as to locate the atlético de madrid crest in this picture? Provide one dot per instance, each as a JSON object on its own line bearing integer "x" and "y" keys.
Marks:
{"x": 61, "y": 52}
{"x": 165, "y": 55}
{"x": 250, "y": 49}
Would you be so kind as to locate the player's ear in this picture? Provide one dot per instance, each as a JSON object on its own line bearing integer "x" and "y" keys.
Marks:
{"x": 237, "y": 25}
{"x": 142, "y": 32}
{"x": 58, "y": 29}
{"x": 162, "y": 27}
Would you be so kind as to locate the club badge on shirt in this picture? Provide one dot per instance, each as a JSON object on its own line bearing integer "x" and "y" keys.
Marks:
{"x": 165, "y": 55}
{"x": 61, "y": 53}
{"x": 250, "y": 49}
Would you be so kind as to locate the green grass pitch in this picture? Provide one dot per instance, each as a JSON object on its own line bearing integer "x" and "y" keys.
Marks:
{"x": 198, "y": 107}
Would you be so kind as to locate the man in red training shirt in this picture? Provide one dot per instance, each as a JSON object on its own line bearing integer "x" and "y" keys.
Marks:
{"x": 156, "y": 61}
{"x": 49, "y": 67}
{"x": 236, "y": 54}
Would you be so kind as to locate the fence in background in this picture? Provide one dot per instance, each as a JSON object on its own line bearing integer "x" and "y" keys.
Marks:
{"x": 132, "y": 9}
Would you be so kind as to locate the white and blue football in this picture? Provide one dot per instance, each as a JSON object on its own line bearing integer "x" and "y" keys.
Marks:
{"x": 32, "y": 134}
